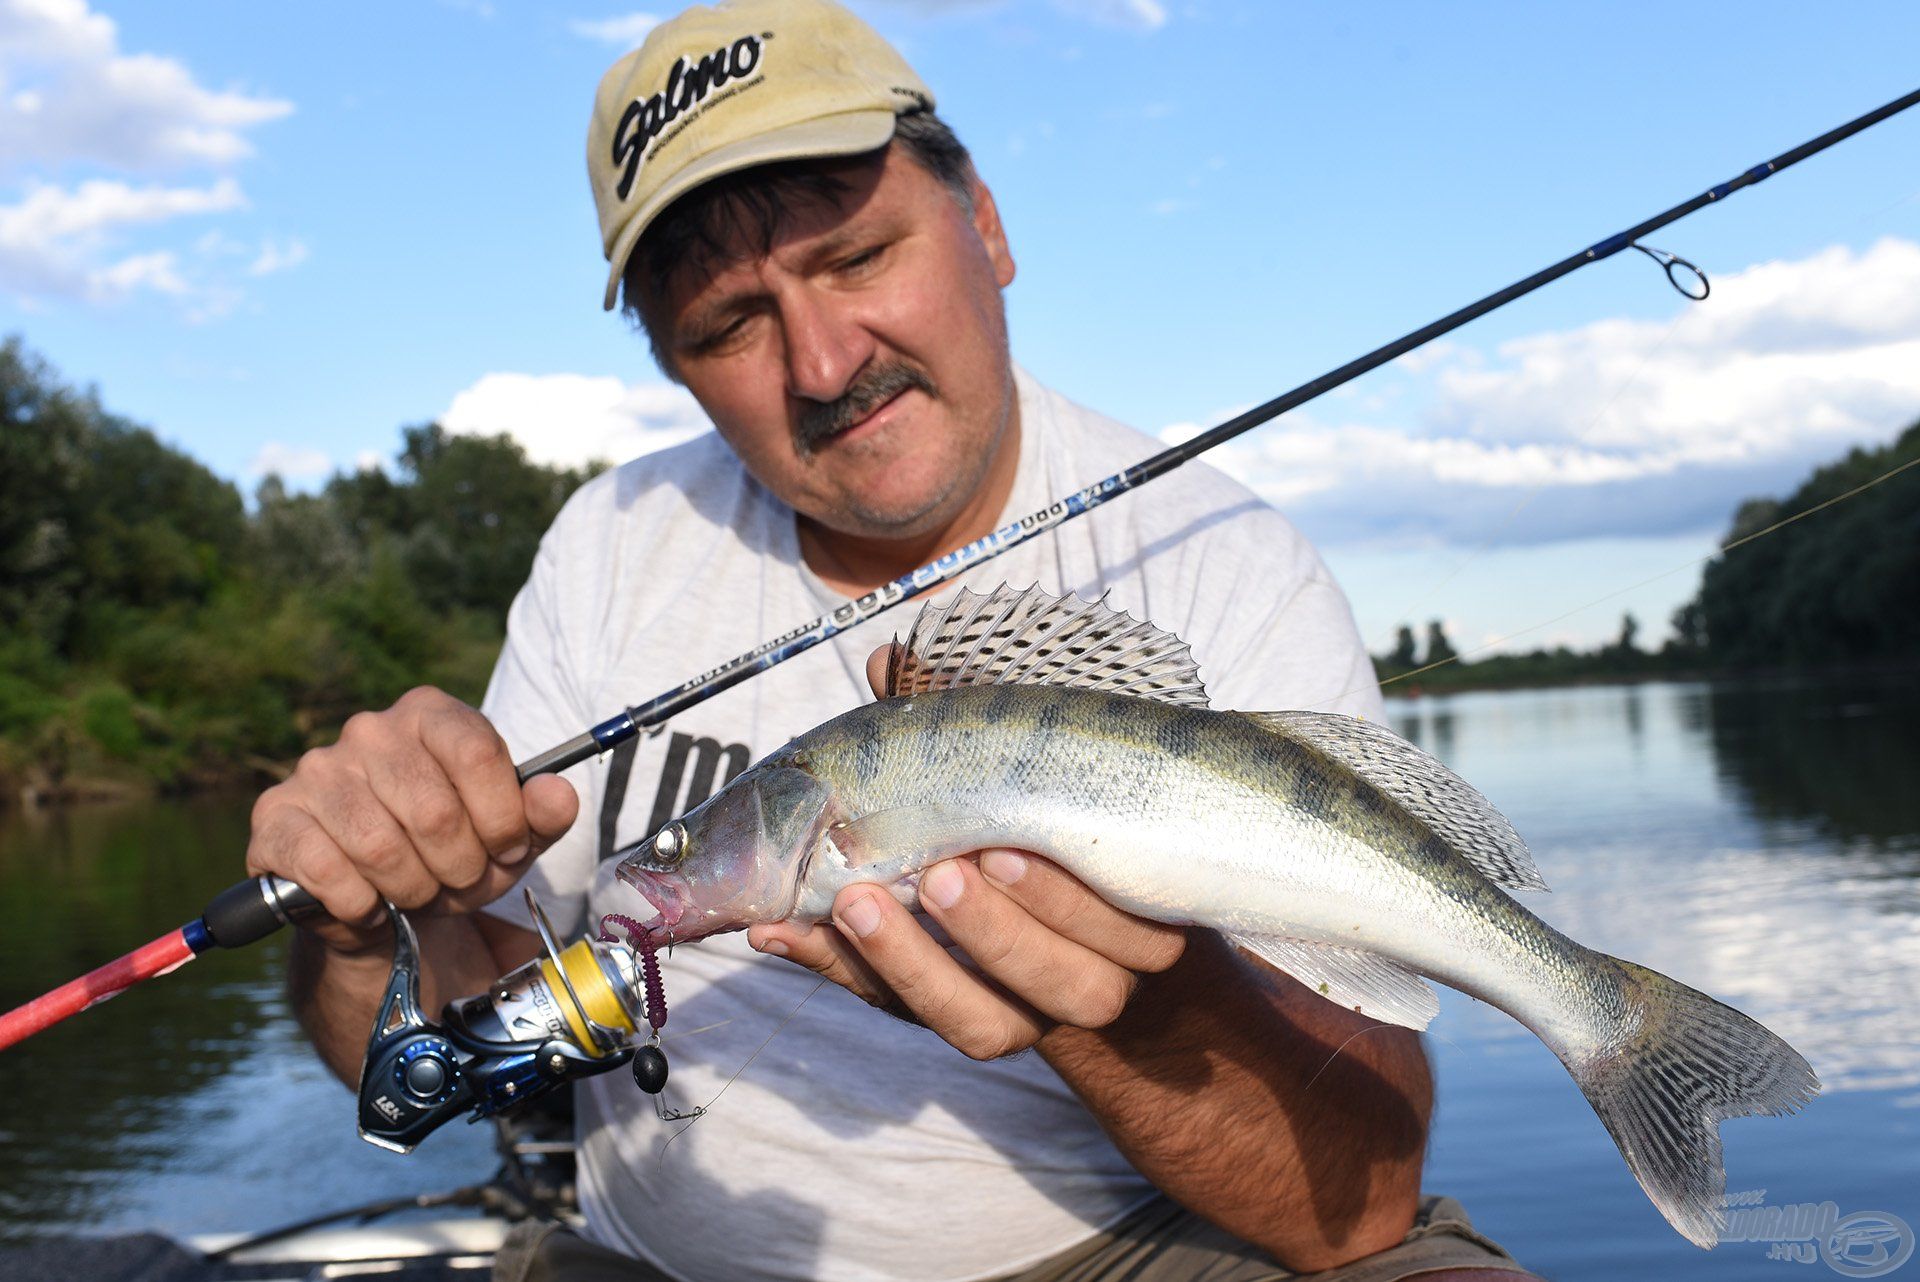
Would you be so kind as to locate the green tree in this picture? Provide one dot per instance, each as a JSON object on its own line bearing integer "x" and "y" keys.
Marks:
{"x": 1689, "y": 629}
{"x": 1403, "y": 654}
{"x": 152, "y": 628}
{"x": 1841, "y": 586}
{"x": 1439, "y": 649}
{"x": 43, "y": 436}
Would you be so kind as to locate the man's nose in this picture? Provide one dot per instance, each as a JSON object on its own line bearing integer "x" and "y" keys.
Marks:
{"x": 826, "y": 346}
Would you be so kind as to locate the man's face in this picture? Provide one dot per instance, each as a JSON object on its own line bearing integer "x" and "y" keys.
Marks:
{"x": 860, "y": 368}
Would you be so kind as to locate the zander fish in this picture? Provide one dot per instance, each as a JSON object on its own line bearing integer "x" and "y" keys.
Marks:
{"x": 1327, "y": 845}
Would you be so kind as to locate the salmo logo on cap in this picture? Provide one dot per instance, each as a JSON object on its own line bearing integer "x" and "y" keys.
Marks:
{"x": 827, "y": 86}
{"x": 689, "y": 85}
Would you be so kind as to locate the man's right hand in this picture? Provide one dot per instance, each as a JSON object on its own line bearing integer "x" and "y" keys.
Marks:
{"x": 419, "y": 804}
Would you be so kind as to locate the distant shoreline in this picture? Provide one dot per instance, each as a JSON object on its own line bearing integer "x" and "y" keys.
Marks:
{"x": 1421, "y": 687}
{"x": 248, "y": 776}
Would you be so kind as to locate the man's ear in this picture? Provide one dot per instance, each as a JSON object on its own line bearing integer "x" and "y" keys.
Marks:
{"x": 986, "y": 222}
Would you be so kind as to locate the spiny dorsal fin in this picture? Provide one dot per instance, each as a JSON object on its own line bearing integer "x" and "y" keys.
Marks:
{"x": 1427, "y": 790}
{"x": 1010, "y": 637}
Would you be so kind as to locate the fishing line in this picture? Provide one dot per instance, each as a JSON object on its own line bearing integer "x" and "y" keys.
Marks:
{"x": 1355, "y": 1036}
{"x": 704, "y": 1028}
{"x": 702, "y": 1110}
{"x": 1722, "y": 550}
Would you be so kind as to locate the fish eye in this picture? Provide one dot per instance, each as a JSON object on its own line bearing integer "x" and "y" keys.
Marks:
{"x": 670, "y": 843}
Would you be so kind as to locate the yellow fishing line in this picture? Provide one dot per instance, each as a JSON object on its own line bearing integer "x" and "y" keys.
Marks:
{"x": 1722, "y": 550}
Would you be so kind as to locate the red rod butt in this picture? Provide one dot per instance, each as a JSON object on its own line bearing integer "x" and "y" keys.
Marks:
{"x": 166, "y": 953}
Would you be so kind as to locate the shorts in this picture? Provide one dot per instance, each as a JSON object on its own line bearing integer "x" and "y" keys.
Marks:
{"x": 1160, "y": 1242}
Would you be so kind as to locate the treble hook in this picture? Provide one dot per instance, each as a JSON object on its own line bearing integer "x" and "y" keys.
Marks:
{"x": 1671, "y": 261}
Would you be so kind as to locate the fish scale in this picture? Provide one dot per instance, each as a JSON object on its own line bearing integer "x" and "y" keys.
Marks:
{"x": 1328, "y": 847}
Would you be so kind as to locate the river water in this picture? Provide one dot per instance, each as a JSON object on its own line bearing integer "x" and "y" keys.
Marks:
{"x": 1760, "y": 841}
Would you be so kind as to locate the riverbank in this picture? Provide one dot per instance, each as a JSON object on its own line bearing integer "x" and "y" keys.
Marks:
{"x": 31, "y": 785}
{"x": 36, "y": 789}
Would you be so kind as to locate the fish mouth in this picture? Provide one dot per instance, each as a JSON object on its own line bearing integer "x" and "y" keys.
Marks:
{"x": 661, "y": 896}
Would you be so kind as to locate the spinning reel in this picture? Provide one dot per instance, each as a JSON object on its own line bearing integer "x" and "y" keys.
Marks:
{"x": 568, "y": 1014}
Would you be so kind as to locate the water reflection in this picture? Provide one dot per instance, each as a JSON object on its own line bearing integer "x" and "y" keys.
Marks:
{"x": 1761, "y": 842}
{"x": 1842, "y": 755}
{"x": 186, "y": 1103}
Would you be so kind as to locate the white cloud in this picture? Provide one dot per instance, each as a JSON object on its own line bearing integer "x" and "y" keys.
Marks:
{"x": 1630, "y": 427}
{"x": 1135, "y": 15}
{"x": 1130, "y": 15}
{"x": 50, "y": 215}
{"x": 290, "y": 462}
{"x": 59, "y": 240}
{"x": 77, "y": 97}
{"x": 276, "y": 257}
{"x": 158, "y": 272}
{"x": 570, "y": 419}
{"x": 626, "y": 30}
{"x": 83, "y": 127}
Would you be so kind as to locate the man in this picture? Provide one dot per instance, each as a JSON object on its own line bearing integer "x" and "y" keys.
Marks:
{"x": 813, "y": 256}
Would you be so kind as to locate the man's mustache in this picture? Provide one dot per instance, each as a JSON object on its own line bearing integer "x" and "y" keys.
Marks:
{"x": 820, "y": 421}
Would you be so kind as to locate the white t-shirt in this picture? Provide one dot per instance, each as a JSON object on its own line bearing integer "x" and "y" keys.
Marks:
{"x": 854, "y": 1146}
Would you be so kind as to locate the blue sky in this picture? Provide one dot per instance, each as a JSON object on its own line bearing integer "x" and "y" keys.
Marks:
{"x": 278, "y": 234}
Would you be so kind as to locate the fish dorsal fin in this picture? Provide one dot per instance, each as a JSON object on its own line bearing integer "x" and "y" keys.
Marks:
{"x": 1351, "y": 977}
{"x": 1013, "y": 637}
{"x": 1424, "y": 788}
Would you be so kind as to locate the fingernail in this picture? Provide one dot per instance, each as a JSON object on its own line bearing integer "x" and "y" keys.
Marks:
{"x": 943, "y": 884}
{"x": 862, "y": 915}
{"x": 1003, "y": 866}
{"x": 772, "y": 946}
{"x": 512, "y": 855}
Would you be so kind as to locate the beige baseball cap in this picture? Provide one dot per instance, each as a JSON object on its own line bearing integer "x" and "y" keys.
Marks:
{"x": 720, "y": 89}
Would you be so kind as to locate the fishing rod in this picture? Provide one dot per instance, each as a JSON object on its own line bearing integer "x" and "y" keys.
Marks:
{"x": 251, "y": 910}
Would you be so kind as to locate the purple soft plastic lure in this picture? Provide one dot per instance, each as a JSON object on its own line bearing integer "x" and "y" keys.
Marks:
{"x": 642, "y": 940}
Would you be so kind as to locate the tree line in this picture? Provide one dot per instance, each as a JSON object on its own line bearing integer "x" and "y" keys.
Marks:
{"x": 157, "y": 630}
{"x": 1838, "y": 589}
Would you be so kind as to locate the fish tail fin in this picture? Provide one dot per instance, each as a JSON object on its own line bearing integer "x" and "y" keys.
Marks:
{"x": 1678, "y": 1064}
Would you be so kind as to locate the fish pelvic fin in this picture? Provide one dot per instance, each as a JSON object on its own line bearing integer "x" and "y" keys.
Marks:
{"x": 1681, "y": 1063}
{"x": 1351, "y": 977}
{"x": 1453, "y": 808}
{"x": 1030, "y": 637}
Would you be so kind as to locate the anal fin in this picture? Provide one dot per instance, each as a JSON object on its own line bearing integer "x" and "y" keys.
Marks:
{"x": 1350, "y": 977}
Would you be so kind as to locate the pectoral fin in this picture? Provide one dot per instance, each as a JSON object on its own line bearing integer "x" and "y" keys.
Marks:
{"x": 1350, "y": 977}
{"x": 909, "y": 835}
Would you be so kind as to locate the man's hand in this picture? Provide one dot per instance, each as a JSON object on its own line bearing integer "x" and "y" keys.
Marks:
{"x": 1036, "y": 948}
{"x": 1039, "y": 949}
{"x": 419, "y": 804}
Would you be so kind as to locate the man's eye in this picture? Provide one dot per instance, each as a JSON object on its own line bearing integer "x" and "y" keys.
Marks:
{"x": 861, "y": 261}
{"x": 719, "y": 338}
